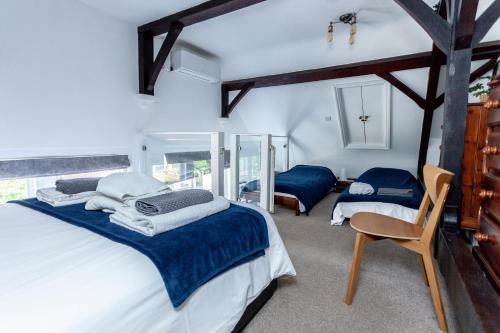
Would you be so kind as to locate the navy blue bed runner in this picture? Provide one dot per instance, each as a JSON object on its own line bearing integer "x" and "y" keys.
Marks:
{"x": 186, "y": 257}
{"x": 308, "y": 183}
{"x": 386, "y": 177}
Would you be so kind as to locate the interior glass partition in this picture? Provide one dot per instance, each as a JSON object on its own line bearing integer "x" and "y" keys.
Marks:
{"x": 250, "y": 166}
{"x": 281, "y": 159}
{"x": 186, "y": 160}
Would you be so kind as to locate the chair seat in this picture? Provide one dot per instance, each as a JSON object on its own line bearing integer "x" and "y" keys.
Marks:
{"x": 385, "y": 226}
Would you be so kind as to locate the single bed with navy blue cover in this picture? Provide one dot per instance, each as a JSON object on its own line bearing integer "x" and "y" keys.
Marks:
{"x": 308, "y": 183}
{"x": 384, "y": 178}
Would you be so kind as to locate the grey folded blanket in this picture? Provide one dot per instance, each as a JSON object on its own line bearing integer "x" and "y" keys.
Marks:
{"x": 172, "y": 201}
{"x": 77, "y": 185}
{"x": 397, "y": 192}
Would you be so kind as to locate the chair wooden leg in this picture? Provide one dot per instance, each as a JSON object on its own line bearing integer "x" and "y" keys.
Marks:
{"x": 426, "y": 280}
{"x": 434, "y": 286}
{"x": 356, "y": 261}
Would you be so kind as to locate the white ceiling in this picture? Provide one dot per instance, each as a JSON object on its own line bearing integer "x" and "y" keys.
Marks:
{"x": 263, "y": 25}
{"x": 295, "y": 29}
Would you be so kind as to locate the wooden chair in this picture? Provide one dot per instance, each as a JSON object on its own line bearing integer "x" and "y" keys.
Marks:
{"x": 415, "y": 237}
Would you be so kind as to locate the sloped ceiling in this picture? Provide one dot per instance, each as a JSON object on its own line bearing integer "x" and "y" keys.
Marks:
{"x": 285, "y": 35}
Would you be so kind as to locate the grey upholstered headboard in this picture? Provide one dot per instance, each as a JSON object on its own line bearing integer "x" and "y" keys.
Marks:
{"x": 54, "y": 166}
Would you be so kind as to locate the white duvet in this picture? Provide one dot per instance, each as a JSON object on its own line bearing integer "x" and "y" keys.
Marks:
{"x": 55, "y": 277}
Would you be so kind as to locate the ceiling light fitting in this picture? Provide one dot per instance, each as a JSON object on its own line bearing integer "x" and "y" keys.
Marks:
{"x": 348, "y": 18}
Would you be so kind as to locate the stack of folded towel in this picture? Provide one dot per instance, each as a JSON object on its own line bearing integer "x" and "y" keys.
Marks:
{"x": 57, "y": 199}
{"x": 361, "y": 188}
{"x": 145, "y": 205}
{"x": 77, "y": 185}
{"x": 68, "y": 192}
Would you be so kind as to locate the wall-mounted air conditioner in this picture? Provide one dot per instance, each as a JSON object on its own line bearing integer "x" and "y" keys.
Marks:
{"x": 187, "y": 62}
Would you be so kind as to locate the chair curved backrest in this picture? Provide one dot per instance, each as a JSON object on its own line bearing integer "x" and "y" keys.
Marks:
{"x": 435, "y": 178}
{"x": 437, "y": 183}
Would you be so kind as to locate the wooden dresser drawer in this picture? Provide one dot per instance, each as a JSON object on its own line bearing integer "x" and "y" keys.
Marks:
{"x": 488, "y": 236}
{"x": 491, "y": 196}
{"x": 494, "y": 117}
{"x": 488, "y": 249}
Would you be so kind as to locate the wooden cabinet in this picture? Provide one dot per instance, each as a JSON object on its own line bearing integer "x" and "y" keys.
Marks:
{"x": 487, "y": 249}
{"x": 472, "y": 175}
{"x": 343, "y": 184}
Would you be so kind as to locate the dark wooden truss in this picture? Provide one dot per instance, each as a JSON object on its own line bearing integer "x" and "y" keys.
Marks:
{"x": 455, "y": 38}
{"x": 437, "y": 60}
{"x": 381, "y": 67}
{"x": 150, "y": 68}
{"x": 403, "y": 88}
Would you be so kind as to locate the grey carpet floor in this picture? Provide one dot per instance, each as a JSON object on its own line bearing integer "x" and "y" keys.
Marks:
{"x": 391, "y": 295}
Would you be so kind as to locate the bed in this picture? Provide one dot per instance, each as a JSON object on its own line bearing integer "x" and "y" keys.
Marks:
{"x": 58, "y": 277}
{"x": 299, "y": 188}
{"x": 404, "y": 208}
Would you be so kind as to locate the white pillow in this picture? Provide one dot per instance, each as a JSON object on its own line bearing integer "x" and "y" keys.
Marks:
{"x": 122, "y": 186}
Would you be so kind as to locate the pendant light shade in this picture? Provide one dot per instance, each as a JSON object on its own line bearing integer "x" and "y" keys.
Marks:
{"x": 329, "y": 36}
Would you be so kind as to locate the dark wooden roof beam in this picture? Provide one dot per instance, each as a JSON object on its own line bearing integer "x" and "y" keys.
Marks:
{"x": 379, "y": 66}
{"x": 161, "y": 57}
{"x": 485, "y": 22}
{"x": 435, "y": 25}
{"x": 403, "y": 88}
{"x": 150, "y": 69}
{"x": 227, "y": 107}
{"x": 485, "y": 68}
{"x": 196, "y": 14}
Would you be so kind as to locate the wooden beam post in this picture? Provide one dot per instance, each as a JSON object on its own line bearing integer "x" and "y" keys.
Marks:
{"x": 430, "y": 100}
{"x": 227, "y": 107}
{"x": 173, "y": 33}
{"x": 224, "y": 113}
{"x": 146, "y": 55}
{"x": 456, "y": 99}
{"x": 403, "y": 88}
{"x": 239, "y": 97}
{"x": 437, "y": 59}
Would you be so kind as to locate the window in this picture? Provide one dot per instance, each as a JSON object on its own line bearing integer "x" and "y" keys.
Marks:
{"x": 13, "y": 189}
{"x": 187, "y": 174}
{"x": 16, "y": 189}
{"x": 20, "y": 178}
{"x": 184, "y": 160}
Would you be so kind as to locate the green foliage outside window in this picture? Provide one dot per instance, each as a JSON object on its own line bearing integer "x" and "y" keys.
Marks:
{"x": 480, "y": 88}
{"x": 13, "y": 189}
{"x": 201, "y": 168}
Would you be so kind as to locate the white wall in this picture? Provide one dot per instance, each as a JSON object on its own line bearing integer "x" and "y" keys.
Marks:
{"x": 68, "y": 79}
{"x": 300, "y": 111}
{"x": 184, "y": 104}
{"x": 68, "y": 76}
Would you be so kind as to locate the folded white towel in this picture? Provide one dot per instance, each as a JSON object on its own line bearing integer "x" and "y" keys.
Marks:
{"x": 104, "y": 203}
{"x": 128, "y": 217}
{"x": 361, "y": 188}
{"x": 126, "y": 185}
{"x": 58, "y": 199}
